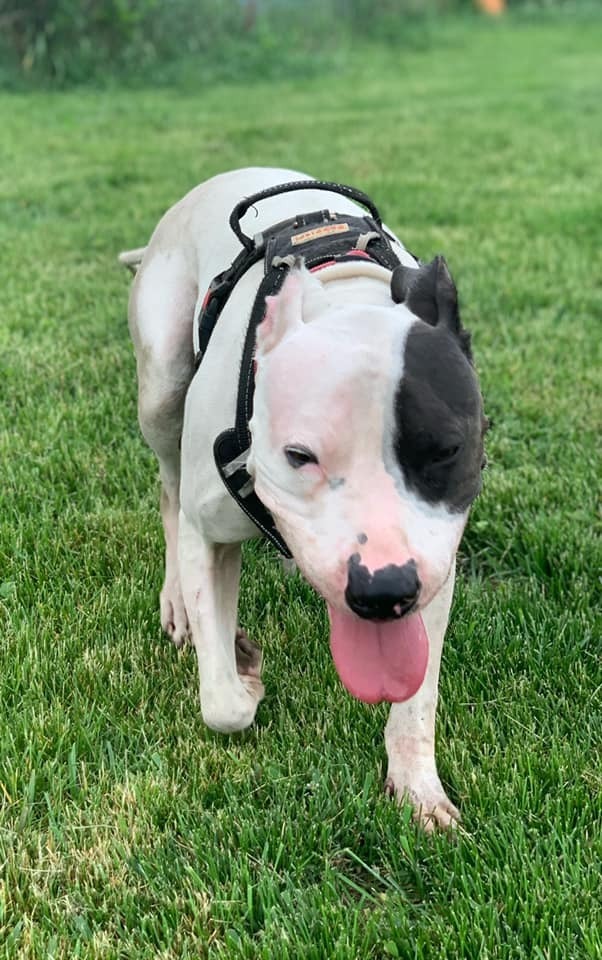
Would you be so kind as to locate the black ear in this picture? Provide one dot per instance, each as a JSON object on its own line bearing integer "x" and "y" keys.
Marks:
{"x": 402, "y": 279}
{"x": 430, "y": 293}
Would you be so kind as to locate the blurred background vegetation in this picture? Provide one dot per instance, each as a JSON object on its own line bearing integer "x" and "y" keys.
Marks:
{"x": 60, "y": 43}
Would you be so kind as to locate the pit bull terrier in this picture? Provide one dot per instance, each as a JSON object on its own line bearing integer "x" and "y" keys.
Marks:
{"x": 366, "y": 448}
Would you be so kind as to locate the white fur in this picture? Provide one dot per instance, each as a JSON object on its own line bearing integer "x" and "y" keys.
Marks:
{"x": 328, "y": 356}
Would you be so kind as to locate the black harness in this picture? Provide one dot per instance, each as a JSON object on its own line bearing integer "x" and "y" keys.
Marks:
{"x": 319, "y": 238}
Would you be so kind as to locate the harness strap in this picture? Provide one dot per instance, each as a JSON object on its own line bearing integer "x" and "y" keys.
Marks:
{"x": 217, "y": 296}
{"x": 232, "y": 447}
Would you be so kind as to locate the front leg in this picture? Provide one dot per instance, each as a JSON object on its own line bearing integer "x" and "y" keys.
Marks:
{"x": 410, "y": 731}
{"x": 229, "y": 664}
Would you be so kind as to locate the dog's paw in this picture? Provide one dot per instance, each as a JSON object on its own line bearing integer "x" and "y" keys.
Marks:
{"x": 231, "y": 707}
{"x": 232, "y": 710}
{"x": 174, "y": 619}
{"x": 432, "y": 807}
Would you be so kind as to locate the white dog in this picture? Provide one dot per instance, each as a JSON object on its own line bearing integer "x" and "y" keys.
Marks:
{"x": 365, "y": 452}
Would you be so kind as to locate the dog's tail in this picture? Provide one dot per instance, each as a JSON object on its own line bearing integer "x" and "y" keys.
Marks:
{"x": 132, "y": 258}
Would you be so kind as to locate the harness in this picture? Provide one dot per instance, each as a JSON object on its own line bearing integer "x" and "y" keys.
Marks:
{"x": 321, "y": 238}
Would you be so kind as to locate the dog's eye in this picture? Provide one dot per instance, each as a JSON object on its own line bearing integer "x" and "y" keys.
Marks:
{"x": 444, "y": 455}
{"x": 299, "y": 456}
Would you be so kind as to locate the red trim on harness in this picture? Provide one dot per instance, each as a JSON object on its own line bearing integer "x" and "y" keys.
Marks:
{"x": 350, "y": 253}
{"x": 320, "y": 266}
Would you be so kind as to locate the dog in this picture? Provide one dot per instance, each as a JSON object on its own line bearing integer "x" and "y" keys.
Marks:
{"x": 366, "y": 450}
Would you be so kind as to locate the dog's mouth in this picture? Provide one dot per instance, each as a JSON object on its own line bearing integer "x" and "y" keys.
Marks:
{"x": 379, "y": 660}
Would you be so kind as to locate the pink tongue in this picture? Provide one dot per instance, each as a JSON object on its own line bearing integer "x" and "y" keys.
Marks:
{"x": 379, "y": 661}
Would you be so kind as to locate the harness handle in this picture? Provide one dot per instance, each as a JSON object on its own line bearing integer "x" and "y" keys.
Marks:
{"x": 241, "y": 208}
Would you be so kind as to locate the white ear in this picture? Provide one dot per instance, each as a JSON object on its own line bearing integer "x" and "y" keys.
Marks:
{"x": 315, "y": 300}
{"x": 299, "y": 301}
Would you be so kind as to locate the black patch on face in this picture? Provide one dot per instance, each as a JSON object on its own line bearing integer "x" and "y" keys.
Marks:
{"x": 439, "y": 422}
{"x": 362, "y": 538}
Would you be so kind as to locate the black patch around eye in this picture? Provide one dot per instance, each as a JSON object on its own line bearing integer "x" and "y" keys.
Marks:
{"x": 438, "y": 439}
{"x": 299, "y": 456}
{"x": 446, "y": 455}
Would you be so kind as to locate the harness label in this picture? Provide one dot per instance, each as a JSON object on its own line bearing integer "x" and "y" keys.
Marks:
{"x": 326, "y": 231}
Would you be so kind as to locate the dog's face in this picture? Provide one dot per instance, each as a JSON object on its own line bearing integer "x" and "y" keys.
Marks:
{"x": 367, "y": 446}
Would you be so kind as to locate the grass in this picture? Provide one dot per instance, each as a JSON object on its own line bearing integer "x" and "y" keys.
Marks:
{"x": 127, "y": 829}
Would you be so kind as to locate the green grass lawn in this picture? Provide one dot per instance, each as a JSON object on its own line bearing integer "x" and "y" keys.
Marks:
{"x": 127, "y": 829}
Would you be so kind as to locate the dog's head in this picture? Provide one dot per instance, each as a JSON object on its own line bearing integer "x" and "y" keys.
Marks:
{"x": 367, "y": 447}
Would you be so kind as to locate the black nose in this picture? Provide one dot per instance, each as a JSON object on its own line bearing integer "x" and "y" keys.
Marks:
{"x": 386, "y": 594}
